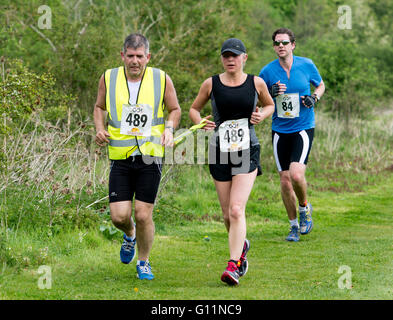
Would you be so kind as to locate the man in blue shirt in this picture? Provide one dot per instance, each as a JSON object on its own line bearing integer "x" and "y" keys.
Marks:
{"x": 288, "y": 79}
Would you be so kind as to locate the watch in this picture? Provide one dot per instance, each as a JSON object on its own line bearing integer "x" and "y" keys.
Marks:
{"x": 170, "y": 128}
{"x": 316, "y": 97}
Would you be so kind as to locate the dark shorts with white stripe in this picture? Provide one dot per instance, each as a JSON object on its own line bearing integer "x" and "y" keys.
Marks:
{"x": 291, "y": 147}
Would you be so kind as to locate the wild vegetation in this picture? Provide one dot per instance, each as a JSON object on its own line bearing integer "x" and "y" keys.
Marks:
{"x": 53, "y": 178}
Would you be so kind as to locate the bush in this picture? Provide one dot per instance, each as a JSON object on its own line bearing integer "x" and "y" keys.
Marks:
{"x": 351, "y": 78}
{"x": 22, "y": 92}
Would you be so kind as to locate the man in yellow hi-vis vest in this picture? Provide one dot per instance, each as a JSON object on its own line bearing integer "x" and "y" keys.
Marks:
{"x": 134, "y": 97}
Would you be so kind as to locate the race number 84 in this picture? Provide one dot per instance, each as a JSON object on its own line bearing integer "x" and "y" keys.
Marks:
{"x": 287, "y": 106}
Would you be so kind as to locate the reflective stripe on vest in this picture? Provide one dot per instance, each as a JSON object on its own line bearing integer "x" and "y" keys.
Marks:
{"x": 151, "y": 92}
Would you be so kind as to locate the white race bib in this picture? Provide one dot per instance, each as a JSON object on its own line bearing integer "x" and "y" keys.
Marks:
{"x": 234, "y": 135}
{"x": 136, "y": 120}
{"x": 288, "y": 105}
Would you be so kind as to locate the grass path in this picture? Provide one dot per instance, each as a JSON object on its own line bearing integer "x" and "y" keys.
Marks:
{"x": 351, "y": 229}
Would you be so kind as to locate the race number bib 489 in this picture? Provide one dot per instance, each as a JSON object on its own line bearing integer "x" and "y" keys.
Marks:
{"x": 234, "y": 135}
{"x": 136, "y": 120}
{"x": 288, "y": 105}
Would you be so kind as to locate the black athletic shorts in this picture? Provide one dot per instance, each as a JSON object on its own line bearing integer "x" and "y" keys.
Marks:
{"x": 138, "y": 175}
{"x": 291, "y": 147}
{"x": 224, "y": 165}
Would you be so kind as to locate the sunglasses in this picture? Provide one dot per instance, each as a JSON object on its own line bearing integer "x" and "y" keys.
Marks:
{"x": 284, "y": 42}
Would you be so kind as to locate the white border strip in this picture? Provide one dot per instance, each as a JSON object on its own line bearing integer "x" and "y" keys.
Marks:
{"x": 306, "y": 145}
{"x": 275, "y": 142}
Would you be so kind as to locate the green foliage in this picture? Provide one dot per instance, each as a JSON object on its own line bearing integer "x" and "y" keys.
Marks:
{"x": 380, "y": 43}
{"x": 287, "y": 8}
{"x": 106, "y": 228}
{"x": 23, "y": 92}
{"x": 6, "y": 257}
{"x": 86, "y": 38}
{"x": 352, "y": 79}
{"x": 109, "y": 231}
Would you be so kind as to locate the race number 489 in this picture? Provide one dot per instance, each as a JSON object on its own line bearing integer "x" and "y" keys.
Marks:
{"x": 136, "y": 120}
{"x": 234, "y": 135}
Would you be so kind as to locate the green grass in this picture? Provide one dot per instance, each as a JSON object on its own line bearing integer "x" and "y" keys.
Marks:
{"x": 351, "y": 228}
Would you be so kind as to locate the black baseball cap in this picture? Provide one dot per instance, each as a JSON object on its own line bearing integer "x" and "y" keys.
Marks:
{"x": 233, "y": 45}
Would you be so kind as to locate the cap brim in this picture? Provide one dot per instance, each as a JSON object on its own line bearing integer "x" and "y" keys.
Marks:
{"x": 237, "y": 52}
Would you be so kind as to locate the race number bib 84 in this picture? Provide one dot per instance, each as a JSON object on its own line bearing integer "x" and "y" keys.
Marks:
{"x": 288, "y": 105}
{"x": 234, "y": 135}
{"x": 136, "y": 120}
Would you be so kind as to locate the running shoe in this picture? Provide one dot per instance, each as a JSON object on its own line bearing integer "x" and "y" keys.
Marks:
{"x": 143, "y": 270}
{"x": 293, "y": 234}
{"x": 305, "y": 220}
{"x": 231, "y": 274}
{"x": 243, "y": 268}
{"x": 127, "y": 250}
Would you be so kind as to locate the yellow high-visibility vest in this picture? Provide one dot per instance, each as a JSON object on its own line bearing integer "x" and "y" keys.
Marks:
{"x": 151, "y": 91}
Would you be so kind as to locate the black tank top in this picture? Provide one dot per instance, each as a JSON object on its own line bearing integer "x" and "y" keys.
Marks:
{"x": 230, "y": 103}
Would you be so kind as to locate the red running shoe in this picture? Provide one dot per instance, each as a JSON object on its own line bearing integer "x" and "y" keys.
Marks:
{"x": 231, "y": 274}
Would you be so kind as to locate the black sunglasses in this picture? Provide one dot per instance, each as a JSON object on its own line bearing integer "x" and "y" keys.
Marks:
{"x": 284, "y": 42}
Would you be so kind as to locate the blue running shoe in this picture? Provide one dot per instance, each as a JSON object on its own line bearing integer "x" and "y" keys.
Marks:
{"x": 127, "y": 250}
{"x": 293, "y": 234}
{"x": 305, "y": 220}
{"x": 143, "y": 270}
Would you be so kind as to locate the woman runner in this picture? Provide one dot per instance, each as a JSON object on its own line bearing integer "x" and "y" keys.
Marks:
{"x": 234, "y": 148}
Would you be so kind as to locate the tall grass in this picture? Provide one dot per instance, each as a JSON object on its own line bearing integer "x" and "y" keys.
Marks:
{"x": 360, "y": 146}
{"x": 48, "y": 172}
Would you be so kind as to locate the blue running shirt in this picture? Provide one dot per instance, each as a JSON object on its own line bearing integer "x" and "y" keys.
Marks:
{"x": 302, "y": 73}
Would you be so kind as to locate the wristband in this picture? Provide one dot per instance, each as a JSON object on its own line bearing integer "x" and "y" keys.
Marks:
{"x": 170, "y": 128}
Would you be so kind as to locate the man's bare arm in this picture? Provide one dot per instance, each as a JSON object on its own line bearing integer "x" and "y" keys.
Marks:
{"x": 100, "y": 114}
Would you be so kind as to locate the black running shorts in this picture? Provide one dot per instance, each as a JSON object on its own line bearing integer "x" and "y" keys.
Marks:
{"x": 138, "y": 175}
{"x": 291, "y": 147}
{"x": 224, "y": 165}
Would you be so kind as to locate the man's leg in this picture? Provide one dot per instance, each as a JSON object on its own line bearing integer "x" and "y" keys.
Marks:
{"x": 297, "y": 173}
{"x": 144, "y": 228}
{"x": 121, "y": 212}
{"x": 289, "y": 198}
{"x": 288, "y": 194}
{"x": 121, "y": 218}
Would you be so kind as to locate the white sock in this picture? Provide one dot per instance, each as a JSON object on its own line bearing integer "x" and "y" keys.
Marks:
{"x": 302, "y": 209}
{"x": 294, "y": 222}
